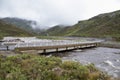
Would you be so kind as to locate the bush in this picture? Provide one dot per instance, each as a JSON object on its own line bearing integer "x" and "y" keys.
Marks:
{"x": 31, "y": 67}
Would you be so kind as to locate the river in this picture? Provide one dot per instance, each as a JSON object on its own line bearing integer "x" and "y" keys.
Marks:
{"x": 105, "y": 59}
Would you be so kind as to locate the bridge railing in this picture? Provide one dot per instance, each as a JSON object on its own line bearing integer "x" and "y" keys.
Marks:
{"x": 53, "y": 43}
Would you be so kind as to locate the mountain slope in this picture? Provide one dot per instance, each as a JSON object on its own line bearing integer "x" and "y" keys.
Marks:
{"x": 57, "y": 30}
{"x": 19, "y": 22}
{"x": 103, "y": 25}
{"x": 11, "y": 30}
{"x": 23, "y": 24}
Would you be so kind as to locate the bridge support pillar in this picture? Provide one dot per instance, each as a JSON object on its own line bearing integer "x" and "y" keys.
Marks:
{"x": 7, "y": 48}
{"x": 66, "y": 48}
{"x": 56, "y": 49}
{"x": 44, "y": 50}
{"x": 74, "y": 47}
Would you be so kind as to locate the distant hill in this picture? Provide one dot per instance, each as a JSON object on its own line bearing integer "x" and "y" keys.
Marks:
{"x": 57, "y": 30}
{"x": 7, "y": 29}
{"x": 103, "y": 25}
{"x": 23, "y": 24}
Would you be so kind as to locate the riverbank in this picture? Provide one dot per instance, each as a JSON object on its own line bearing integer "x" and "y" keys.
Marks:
{"x": 32, "y": 67}
{"x": 105, "y": 59}
{"x": 110, "y": 44}
{"x": 99, "y": 53}
{"x": 86, "y": 56}
{"x": 8, "y": 53}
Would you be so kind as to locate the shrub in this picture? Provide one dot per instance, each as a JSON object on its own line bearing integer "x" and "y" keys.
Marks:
{"x": 31, "y": 67}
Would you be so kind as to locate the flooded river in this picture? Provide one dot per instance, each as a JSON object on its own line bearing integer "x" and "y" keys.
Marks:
{"x": 106, "y": 59}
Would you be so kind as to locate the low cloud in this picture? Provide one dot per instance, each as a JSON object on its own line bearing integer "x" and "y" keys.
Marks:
{"x": 53, "y": 12}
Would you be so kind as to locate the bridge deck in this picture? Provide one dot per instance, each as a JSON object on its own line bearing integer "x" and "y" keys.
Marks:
{"x": 55, "y": 46}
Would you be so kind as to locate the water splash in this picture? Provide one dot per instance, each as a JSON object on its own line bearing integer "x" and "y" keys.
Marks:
{"x": 111, "y": 64}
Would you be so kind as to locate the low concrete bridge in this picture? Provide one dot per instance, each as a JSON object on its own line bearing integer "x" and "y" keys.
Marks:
{"x": 55, "y": 46}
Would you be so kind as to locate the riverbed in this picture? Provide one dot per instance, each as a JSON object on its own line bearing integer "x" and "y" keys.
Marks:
{"x": 105, "y": 59}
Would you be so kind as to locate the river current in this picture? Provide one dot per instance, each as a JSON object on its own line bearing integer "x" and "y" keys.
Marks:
{"x": 105, "y": 59}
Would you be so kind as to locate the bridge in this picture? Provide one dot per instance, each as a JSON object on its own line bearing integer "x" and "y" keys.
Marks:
{"x": 55, "y": 45}
{"x": 46, "y": 45}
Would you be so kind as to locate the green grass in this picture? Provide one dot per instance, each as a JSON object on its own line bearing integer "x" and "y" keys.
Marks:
{"x": 103, "y": 25}
{"x": 11, "y": 30}
{"x": 31, "y": 67}
{"x": 50, "y": 37}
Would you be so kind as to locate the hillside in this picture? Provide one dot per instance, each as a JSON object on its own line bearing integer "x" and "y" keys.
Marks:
{"x": 103, "y": 25}
{"x": 11, "y": 30}
{"x": 57, "y": 30}
{"x": 23, "y": 24}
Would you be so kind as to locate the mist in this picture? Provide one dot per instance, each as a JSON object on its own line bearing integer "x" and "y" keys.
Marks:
{"x": 53, "y": 12}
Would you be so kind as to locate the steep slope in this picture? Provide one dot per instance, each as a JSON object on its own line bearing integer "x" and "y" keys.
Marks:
{"x": 11, "y": 30}
{"x": 57, "y": 30}
{"x": 23, "y": 24}
{"x": 103, "y": 25}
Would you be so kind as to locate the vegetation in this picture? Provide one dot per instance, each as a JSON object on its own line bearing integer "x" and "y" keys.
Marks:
{"x": 50, "y": 37}
{"x": 31, "y": 67}
{"x": 27, "y": 25}
{"x": 104, "y": 25}
{"x": 21, "y": 23}
{"x": 11, "y": 30}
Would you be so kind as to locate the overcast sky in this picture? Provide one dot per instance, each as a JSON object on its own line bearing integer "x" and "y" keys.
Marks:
{"x": 53, "y": 12}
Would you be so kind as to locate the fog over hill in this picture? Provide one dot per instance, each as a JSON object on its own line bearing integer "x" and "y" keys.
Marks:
{"x": 103, "y": 25}
{"x": 53, "y": 12}
{"x": 7, "y": 29}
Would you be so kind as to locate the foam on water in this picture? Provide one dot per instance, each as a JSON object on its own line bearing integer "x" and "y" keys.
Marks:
{"x": 117, "y": 60}
{"x": 104, "y": 58}
{"x": 109, "y": 63}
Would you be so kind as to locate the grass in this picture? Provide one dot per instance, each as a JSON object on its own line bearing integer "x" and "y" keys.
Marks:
{"x": 51, "y": 37}
{"x": 11, "y": 30}
{"x": 31, "y": 67}
{"x": 103, "y": 25}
